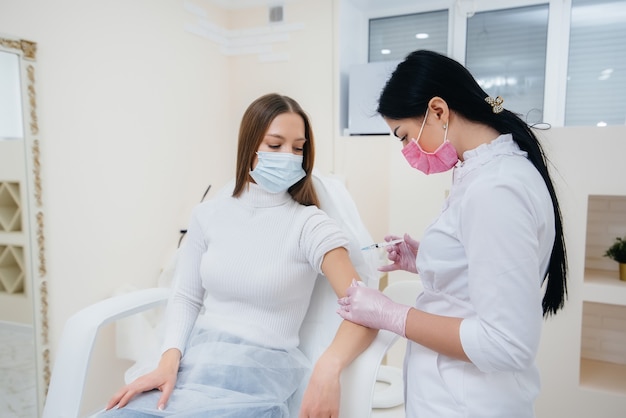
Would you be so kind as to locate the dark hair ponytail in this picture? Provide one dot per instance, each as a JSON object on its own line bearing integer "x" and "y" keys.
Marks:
{"x": 556, "y": 286}
{"x": 426, "y": 74}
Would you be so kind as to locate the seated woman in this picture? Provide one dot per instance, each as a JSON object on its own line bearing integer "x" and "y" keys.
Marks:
{"x": 250, "y": 260}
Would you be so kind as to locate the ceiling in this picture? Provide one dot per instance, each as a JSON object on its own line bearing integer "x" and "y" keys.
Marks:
{"x": 362, "y": 4}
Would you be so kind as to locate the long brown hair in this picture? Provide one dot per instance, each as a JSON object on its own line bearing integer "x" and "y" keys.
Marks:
{"x": 254, "y": 125}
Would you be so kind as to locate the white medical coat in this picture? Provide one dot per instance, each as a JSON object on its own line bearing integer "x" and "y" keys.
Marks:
{"x": 483, "y": 259}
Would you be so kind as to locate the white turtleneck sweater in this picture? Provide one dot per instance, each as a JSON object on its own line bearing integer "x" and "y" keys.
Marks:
{"x": 251, "y": 262}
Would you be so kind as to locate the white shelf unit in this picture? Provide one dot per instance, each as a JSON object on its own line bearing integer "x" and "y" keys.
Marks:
{"x": 603, "y": 286}
{"x": 603, "y": 333}
{"x": 602, "y": 376}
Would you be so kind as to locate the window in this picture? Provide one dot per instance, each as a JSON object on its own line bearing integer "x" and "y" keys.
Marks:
{"x": 596, "y": 77}
{"x": 506, "y": 53}
{"x": 393, "y": 38}
{"x": 560, "y": 62}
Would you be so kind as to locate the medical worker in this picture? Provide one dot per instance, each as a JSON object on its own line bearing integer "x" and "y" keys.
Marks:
{"x": 250, "y": 260}
{"x": 492, "y": 264}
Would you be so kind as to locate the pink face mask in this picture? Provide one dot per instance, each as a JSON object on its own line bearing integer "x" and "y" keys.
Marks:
{"x": 438, "y": 161}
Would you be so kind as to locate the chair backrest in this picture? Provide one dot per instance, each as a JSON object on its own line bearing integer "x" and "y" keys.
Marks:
{"x": 321, "y": 321}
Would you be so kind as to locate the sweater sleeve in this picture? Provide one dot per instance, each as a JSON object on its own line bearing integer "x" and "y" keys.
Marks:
{"x": 499, "y": 230}
{"x": 188, "y": 294}
{"x": 320, "y": 234}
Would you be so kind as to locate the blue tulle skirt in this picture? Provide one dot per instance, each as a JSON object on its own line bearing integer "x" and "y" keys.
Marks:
{"x": 224, "y": 376}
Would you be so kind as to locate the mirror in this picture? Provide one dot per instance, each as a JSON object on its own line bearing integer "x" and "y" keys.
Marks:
{"x": 23, "y": 281}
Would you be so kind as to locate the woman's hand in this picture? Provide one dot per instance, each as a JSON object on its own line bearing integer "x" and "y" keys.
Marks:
{"x": 402, "y": 255}
{"x": 321, "y": 398}
{"x": 162, "y": 378}
{"x": 371, "y": 308}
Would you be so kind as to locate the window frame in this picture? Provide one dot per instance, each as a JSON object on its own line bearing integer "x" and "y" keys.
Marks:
{"x": 557, "y": 48}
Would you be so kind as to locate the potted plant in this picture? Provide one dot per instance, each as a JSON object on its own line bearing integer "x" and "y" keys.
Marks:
{"x": 617, "y": 252}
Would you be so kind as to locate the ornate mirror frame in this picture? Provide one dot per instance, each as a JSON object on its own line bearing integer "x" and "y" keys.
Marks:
{"x": 34, "y": 218}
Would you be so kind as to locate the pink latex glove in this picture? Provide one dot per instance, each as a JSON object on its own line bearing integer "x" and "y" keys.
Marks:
{"x": 369, "y": 307}
{"x": 402, "y": 254}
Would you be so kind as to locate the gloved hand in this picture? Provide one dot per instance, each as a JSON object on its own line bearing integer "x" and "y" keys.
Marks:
{"x": 369, "y": 307}
{"x": 402, "y": 254}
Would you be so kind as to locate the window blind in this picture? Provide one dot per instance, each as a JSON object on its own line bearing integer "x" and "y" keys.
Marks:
{"x": 393, "y": 38}
{"x": 506, "y": 53}
{"x": 596, "y": 77}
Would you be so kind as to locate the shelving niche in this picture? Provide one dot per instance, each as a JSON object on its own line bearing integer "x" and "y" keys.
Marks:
{"x": 10, "y": 207}
{"x": 12, "y": 273}
{"x": 603, "y": 334}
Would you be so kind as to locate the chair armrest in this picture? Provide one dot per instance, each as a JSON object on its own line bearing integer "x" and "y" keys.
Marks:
{"x": 74, "y": 350}
{"x": 360, "y": 376}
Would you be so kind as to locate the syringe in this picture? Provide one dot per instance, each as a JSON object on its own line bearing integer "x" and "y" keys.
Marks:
{"x": 383, "y": 244}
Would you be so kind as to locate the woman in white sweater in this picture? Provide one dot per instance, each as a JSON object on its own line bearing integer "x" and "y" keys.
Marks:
{"x": 250, "y": 260}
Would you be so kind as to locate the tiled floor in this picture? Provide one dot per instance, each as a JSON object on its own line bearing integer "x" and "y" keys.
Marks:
{"x": 17, "y": 372}
{"x": 17, "y": 375}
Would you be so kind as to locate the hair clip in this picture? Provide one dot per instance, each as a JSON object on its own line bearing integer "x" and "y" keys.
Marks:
{"x": 496, "y": 104}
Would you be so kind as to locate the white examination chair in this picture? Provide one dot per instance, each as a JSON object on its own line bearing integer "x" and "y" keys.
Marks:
{"x": 358, "y": 381}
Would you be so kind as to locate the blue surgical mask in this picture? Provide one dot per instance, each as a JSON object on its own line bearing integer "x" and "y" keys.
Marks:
{"x": 277, "y": 171}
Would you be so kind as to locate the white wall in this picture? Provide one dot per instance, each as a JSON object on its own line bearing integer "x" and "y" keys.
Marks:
{"x": 305, "y": 73}
{"x": 133, "y": 129}
{"x": 587, "y": 161}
